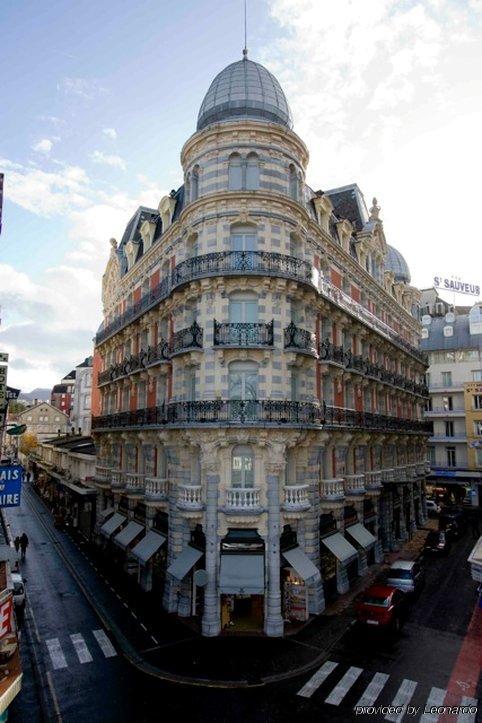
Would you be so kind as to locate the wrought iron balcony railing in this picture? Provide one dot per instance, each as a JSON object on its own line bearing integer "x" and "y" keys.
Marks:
{"x": 331, "y": 353}
{"x": 242, "y": 334}
{"x": 157, "y": 353}
{"x": 136, "y": 362}
{"x": 296, "y": 338}
{"x": 186, "y": 339}
{"x": 255, "y": 411}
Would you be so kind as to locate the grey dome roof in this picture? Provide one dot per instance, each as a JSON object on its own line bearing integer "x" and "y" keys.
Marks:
{"x": 396, "y": 263}
{"x": 244, "y": 90}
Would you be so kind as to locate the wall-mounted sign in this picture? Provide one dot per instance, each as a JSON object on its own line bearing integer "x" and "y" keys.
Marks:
{"x": 457, "y": 285}
{"x": 3, "y": 357}
{"x": 10, "y": 485}
{"x": 12, "y": 393}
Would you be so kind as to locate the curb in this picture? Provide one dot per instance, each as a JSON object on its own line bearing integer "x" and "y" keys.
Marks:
{"x": 135, "y": 659}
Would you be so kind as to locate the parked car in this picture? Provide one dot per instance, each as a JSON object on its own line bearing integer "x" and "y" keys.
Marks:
{"x": 453, "y": 521}
{"x": 382, "y": 606}
{"x": 18, "y": 589}
{"x": 433, "y": 508}
{"x": 406, "y": 575}
{"x": 437, "y": 542}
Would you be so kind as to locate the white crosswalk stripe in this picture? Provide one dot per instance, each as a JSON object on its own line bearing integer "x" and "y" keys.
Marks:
{"x": 56, "y": 654}
{"x": 402, "y": 699}
{"x": 467, "y": 717}
{"x": 344, "y": 685}
{"x": 104, "y": 643}
{"x": 317, "y": 679}
{"x": 436, "y": 698}
{"x": 373, "y": 690}
{"x": 81, "y": 648}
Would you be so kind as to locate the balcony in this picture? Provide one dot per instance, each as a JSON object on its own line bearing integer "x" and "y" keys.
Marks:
{"x": 458, "y": 438}
{"x": 243, "y": 499}
{"x": 442, "y": 412}
{"x": 296, "y": 498}
{"x": 243, "y": 334}
{"x": 157, "y": 353}
{"x": 332, "y": 490}
{"x": 299, "y": 340}
{"x": 373, "y": 480}
{"x": 421, "y": 469}
{"x": 156, "y": 488}
{"x": 117, "y": 479}
{"x": 134, "y": 483}
{"x": 103, "y": 474}
{"x": 329, "y": 352}
{"x": 254, "y": 411}
{"x": 190, "y": 497}
{"x": 443, "y": 387}
{"x": 187, "y": 339}
{"x": 354, "y": 484}
{"x": 388, "y": 475}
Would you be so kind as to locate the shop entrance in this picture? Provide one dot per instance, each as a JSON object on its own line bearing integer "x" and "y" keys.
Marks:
{"x": 242, "y": 612}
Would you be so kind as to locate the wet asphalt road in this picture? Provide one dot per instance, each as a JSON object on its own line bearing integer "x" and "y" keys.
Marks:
{"x": 89, "y": 686}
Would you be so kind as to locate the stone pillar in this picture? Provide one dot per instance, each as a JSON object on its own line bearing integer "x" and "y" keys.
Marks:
{"x": 211, "y": 622}
{"x": 403, "y": 526}
{"x": 274, "y": 621}
{"x": 413, "y": 522}
{"x": 378, "y": 544}
{"x": 423, "y": 502}
{"x": 185, "y": 587}
{"x": 174, "y": 548}
{"x": 316, "y": 598}
{"x": 342, "y": 583}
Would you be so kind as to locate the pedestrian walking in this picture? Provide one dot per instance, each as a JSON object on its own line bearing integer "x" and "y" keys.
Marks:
{"x": 475, "y": 526}
{"x": 24, "y": 544}
{"x": 16, "y": 542}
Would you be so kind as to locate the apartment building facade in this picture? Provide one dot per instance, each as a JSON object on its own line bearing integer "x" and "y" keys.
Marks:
{"x": 261, "y": 439}
{"x": 452, "y": 337}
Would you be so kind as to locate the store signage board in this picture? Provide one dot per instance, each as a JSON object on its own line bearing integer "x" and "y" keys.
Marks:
{"x": 3, "y": 357}
{"x": 459, "y": 286}
{"x": 10, "y": 485}
{"x": 6, "y": 609}
{"x": 12, "y": 393}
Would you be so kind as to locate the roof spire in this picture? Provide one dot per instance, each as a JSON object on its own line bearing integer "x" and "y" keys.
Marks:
{"x": 245, "y": 49}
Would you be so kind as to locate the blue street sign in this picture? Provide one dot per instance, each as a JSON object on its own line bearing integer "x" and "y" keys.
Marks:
{"x": 10, "y": 485}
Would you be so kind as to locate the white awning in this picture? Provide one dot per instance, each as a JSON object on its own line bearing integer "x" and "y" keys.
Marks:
{"x": 361, "y": 535}
{"x": 105, "y": 513}
{"x": 242, "y": 575}
{"x": 112, "y": 524}
{"x": 305, "y": 568}
{"x": 148, "y": 546}
{"x": 184, "y": 563}
{"x": 130, "y": 531}
{"x": 340, "y": 547}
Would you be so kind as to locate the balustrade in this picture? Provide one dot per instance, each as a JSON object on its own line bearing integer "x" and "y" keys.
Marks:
{"x": 296, "y": 498}
{"x": 243, "y": 498}
{"x": 243, "y": 334}
{"x": 190, "y": 497}
{"x": 296, "y": 338}
{"x": 156, "y": 488}
{"x": 189, "y": 338}
{"x": 354, "y": 484}
{"x": 332, "y": 489}
{"x": 373, "y": 480}
{"x": 134, "y": 482}
{"x": 117, "y": 478}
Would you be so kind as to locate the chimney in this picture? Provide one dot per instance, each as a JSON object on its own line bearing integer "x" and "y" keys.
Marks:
{"x": 35, "y": 401}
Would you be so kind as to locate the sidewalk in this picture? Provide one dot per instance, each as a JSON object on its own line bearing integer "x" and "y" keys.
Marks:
{"x": 163, "y": 646}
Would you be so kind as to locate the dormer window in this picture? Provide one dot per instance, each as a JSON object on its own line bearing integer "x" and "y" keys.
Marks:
{"x": 131, "y": 253}
{"x": 147, "y": 234}
{"x": 167, "y": 205}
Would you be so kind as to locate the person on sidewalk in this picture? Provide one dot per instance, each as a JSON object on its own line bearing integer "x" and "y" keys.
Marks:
{"x": 24, "y": 544}
{"x": 16, "y": 543}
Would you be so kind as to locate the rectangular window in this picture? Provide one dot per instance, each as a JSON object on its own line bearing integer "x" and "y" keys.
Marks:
{"x": 447, "y": 403}
{"x": 449, "y": 429}
{"x": 477, "y": 401}
{"x": 431, "y": 455}
{"x": 451, "y": 459}
{"x": 478, "y": 457}
{"x": 447, "y": 379}
{"x": 478, "y": 428}
{"x": 477, "y": 375}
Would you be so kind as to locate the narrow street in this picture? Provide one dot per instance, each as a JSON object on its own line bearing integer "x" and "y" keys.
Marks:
{"x": 84, "y": 676}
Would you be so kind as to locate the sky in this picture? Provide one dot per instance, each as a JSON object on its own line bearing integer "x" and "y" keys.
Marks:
{"x": 99, "y": 97}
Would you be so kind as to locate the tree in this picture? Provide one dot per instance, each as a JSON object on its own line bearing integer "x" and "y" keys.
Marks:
{"x": 28, "y": 442}
{"x": 14, "y": 408}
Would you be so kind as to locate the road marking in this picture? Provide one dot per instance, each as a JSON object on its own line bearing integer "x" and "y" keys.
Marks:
{"x": 402, "y": 699}
{"x": 56, "y": 654}
{"x": 143, "y": 626}
{"x": 344, "y": 685}
{"x": 133, "y": 615}
{"x": 154, "y": 640}
{"x": 105, "y": 644}
{"x": 54, "y": 696}
{"x": 467, "y": 717}
{"x": 373, "y": 690}
{"x": 436, "y": 697}
{"x": 317, "y": 679}
{"x": 81, "y": 648}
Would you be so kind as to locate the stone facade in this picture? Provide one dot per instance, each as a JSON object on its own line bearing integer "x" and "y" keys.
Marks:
{"x": 44, "y": 420}
{"x": 260, "y": 382}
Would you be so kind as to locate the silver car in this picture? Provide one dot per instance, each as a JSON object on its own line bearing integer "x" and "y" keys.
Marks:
{"x": 406, "y": 575}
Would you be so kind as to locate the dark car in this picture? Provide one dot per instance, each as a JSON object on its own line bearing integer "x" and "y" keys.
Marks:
{"x": 382, "y": 606}
{"x": 437, "y": 542}
{"x": 453, "y": 521}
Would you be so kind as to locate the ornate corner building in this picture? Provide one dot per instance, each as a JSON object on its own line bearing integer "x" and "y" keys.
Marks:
{"x": 260, "y": 389}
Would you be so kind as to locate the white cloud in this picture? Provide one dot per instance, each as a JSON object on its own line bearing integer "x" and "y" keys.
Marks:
{"x": 43, "y": 146}
{"x": 108, "y": 160}
{"x": 85, "y": 88}
{"x": 110, "y": 133}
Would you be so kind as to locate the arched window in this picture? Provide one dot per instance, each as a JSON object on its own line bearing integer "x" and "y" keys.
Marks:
{"x": 190, "y": 383}
{"x": 242, "y": 467}
{"x": 187, "y": 188}
{"x": 190, "y": 313}
{"x": 293, "y": 180}
{"x": 243, "y": 380}
{"x": 192, "y": 248}
{"x": 195, "y": 183}
{"x": 243, "y": 308}
{"x": 163, "y": 329}
{"x": 235, "y": 172}
{"x": 252, "y": 172}
{"x": 291, "y": 466}
{"x": 295, "y": 384}
{"x": 296, "y": 247}
{"x": 149, "y": 460}
{"x": 161, "y": 390}
{"x": 195, "y": 466}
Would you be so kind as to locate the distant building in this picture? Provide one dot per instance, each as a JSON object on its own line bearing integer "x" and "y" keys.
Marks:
{"x": 61, "y": 396}
{"x": 80, "y": 416}
{"x": 452, "y": 336}
{"x": 44, "y": 420}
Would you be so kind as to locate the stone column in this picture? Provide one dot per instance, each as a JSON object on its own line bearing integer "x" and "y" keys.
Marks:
{"x": 174, "y": 548}
{"x": 342, "y": 583}
{"x": 413, "y": 522}
{"x": 316, "y": 598}
{"x": 274, "y": 621}
{"x": 378, "y": 544}
{"x": 403, "y": 526}
{"x": 185, "y": 587}
{"x": 423, "y": 503}
{"x": 211, "y": 622}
